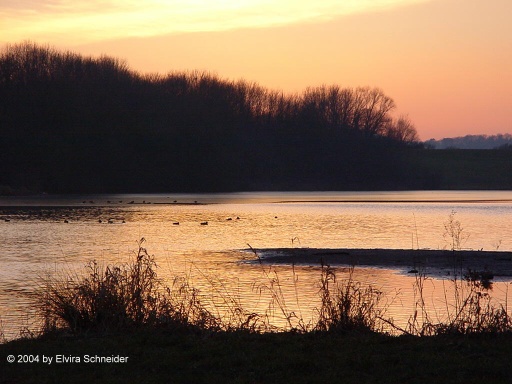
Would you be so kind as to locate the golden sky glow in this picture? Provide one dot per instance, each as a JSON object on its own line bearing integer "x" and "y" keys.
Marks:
{"x": 92, "y": 20}
{"x": 446, "y": 63}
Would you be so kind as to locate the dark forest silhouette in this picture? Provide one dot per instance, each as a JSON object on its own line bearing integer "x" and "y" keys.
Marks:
{"x": 71, "y": 124}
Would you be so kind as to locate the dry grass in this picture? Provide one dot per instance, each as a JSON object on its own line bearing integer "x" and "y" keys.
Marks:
{"x": 471, "y": 310}
{"x": 131, "y": 296}
{"x": 121, "y": 297}
{"x": 2, "y": 334}
{"x": 347, "y": 305}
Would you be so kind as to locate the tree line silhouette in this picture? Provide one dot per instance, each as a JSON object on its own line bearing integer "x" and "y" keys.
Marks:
{"x": 73, "y": 124}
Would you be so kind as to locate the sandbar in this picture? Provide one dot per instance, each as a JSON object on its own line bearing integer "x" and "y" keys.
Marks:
{"x": 439, "y": 263}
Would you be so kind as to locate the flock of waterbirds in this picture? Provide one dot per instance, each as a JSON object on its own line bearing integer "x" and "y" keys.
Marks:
{"x": 143, "y": 202}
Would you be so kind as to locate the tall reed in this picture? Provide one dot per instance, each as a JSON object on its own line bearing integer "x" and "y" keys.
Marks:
{"x": 347, "y": 305}
{"x": 470, "y": 310}
{"x": 2, "y": 334}
{"x": 121, "y": 297}
{"x": 277, "y": 306}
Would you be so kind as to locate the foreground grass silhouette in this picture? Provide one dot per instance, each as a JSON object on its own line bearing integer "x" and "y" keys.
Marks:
{"x": 158, "y": 356}
{"x": 148, "y": 333}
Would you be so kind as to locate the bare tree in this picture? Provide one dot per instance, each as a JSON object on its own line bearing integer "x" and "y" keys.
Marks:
{"x": 403, "y": 130}
{"x": 374, "y": 109}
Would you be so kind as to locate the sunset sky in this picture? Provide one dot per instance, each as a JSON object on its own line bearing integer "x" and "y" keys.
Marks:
{"x": 446, "y": 63}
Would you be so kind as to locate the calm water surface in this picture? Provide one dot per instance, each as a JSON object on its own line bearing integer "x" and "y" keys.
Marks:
{"x": 51, "y": 234}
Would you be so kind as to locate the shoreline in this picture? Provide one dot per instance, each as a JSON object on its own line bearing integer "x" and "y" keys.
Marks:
{"x": 438, "y": 263}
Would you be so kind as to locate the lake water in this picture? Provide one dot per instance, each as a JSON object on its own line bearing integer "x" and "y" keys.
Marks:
{"x": 51, "y": 234}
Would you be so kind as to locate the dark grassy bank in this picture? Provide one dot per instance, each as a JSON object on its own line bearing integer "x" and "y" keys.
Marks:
{"x": 158, "y": 357}
{"x": 459, "y": 169}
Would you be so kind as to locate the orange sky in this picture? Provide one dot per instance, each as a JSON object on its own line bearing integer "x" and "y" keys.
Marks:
{"x": 446, "y": 63}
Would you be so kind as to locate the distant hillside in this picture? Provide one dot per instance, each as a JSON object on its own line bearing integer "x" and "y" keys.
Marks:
{"x": 472, "y": 142}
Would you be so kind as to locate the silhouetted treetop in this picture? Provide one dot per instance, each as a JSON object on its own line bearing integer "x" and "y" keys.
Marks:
{"x": 85, "y": 82}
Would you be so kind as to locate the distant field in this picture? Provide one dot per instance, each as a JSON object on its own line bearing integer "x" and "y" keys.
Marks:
{"x": 464, "y": 168}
